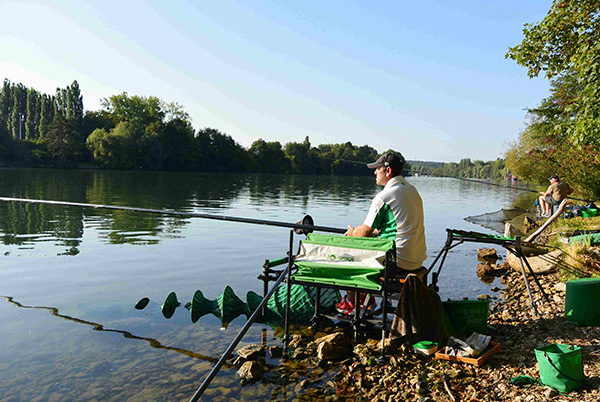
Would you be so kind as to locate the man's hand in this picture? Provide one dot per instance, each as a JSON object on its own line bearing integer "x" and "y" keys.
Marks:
{"x": 361, "y": 231}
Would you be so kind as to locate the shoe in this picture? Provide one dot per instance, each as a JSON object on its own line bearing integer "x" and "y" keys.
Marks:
{"x": 545, "y": 215}
{"x": 344, "y": 306}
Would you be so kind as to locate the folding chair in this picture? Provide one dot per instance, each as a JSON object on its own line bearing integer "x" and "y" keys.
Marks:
{"x": 358, "y": 264}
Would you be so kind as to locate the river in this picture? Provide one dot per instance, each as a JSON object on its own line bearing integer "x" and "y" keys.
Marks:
{"x": 71, "y": 276}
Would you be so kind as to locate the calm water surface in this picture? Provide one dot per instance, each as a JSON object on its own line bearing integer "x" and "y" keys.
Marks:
{"x": 71, "y": 276}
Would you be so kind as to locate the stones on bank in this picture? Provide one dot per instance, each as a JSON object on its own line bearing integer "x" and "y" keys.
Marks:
{"x": 331, "y": 367}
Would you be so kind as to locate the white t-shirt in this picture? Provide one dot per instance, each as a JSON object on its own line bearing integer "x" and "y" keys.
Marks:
{"x": 397, "y": 212}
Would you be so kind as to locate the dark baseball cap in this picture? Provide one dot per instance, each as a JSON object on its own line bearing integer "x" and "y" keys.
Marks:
{"x": 392, "y": 160}
{"x": 555, "y": 177}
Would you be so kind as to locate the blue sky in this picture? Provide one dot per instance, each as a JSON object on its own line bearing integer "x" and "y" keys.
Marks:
{"x": 426, "y": 78}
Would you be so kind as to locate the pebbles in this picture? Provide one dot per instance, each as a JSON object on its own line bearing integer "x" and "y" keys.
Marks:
{"x": 406, "y": 376}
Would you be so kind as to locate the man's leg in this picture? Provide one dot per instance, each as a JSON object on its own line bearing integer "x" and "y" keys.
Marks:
{"x": 544, "y": 205}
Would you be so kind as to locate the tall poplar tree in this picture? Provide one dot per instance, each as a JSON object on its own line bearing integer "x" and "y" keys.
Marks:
{"x": 74, "y": 106}
{"x": 31, "y": 125}
{"x": 19, "y": 98}
{"x": 5, "y": 103}
{"x": 46, "y": 115}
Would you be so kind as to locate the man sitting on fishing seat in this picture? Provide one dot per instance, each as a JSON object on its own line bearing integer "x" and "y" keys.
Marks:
{"x": 557, "y": 191}
{"x": 395, "y": 213}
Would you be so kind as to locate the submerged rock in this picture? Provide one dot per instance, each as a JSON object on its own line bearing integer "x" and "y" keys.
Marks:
{"x": 487, "y": 254}
{"x": 484, "y": 269}
{"x": 275, "y": 352}
{"x": 251, "y": 372}
{"x": 251, "y": 352}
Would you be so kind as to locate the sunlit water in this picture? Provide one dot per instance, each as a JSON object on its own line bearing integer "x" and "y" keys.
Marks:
{"x": 74, "y": 274}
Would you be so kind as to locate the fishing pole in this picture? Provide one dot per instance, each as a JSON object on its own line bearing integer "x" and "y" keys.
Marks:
{"x": 515, "y": 187}
{"x": 359, "y": 163}
{"x": 345, "y": 160}
{"x": 304, "y": 226}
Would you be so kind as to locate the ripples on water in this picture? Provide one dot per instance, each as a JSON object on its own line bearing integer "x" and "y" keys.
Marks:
{"x": 75, "y": 273}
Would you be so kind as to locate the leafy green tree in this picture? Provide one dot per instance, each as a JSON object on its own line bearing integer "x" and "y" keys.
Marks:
{"x": 64, "y": 142}
{"x": 148, "y": 153}
{"x": 224, "y": 154}
{"x": 93, "y": 120}
{"x": 567, "y": 42}
{"x": 557, "y": 44}
{"x": 177, "y": 141}
{"x": 563, "y": 135}
{"x": 138, "y": 111}
{"x": 267, "y": 157}
{"x": 114, "y": 149}
{"x": 302, "y": 160}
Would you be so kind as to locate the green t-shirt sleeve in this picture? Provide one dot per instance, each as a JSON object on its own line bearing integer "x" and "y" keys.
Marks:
{"x": 385, "y": 222}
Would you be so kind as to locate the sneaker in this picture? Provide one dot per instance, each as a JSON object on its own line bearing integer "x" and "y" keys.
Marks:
{"x": 545, "y": 215}
{"x": 344, "y": 306}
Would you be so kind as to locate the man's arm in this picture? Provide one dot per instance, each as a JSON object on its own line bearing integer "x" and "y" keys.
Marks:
{"x": 547, "y": 192}
{"x": 360, "y": 231}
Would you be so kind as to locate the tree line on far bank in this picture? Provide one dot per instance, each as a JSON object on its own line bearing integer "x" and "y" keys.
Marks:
{"x": 491, "y": 170}
{"x": 146, "y": 133}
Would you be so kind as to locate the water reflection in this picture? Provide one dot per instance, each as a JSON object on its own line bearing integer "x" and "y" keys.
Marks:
{"x": 176, "y": 191}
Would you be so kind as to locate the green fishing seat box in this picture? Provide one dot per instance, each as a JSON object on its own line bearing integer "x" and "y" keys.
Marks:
{"x": 582, "y": 300}
{"x": 463, "y": 317}
{"x": 589, "y": 213}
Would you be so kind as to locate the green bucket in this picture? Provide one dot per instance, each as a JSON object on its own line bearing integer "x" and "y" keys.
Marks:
{"x": 561, "y": 366}
{"x": 463, "y": 317}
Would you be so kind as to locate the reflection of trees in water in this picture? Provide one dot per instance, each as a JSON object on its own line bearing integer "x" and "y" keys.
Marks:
{"x": 156, "y": 190}
{"x": 176, "y": 191}
{"x": 126, "y": 334}
{"x": 274, "y": 189}
{"x": 62, "y": 224}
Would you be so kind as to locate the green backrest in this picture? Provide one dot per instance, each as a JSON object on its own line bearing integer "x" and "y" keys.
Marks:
{"x": 355, "y": 262}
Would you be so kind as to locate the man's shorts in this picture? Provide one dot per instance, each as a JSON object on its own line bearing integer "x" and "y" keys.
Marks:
{"x": 550, "y": 200}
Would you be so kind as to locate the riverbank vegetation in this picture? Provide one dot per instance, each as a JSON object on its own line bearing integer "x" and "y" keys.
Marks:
{"x": 563, "y": 132}
{"x": 133, "y": 132}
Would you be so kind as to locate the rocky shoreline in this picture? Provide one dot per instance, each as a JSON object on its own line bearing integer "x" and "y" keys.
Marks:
{"x": 403, "y": 375}
{"x": 411, "y": 377}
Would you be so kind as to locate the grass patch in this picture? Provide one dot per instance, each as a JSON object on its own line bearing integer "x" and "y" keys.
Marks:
{"x": 577, "y": 223}
{"x": 580, "y": 259}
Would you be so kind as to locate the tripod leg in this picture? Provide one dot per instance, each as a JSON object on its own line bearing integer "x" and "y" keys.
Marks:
{"x": 527, "y": 286}
{"x": 536, "y": 279}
